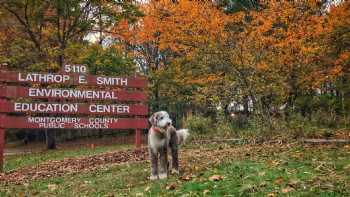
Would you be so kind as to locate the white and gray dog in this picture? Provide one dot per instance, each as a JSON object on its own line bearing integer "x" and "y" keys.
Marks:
{"x": 161, "y": 136}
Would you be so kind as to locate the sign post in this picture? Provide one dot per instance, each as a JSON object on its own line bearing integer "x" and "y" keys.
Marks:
{"x": 2, "y": 147}
{"x": 138, "y": 138}
{"x": 95, "y": 102}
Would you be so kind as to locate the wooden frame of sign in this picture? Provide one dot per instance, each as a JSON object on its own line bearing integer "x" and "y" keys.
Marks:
{"x": 90, "y": 102}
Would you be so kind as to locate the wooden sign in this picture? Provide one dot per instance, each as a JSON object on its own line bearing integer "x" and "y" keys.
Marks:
{"x": 32, "y": 122}
{"x": 122, "y": 96}
{"x": 70, "y": 94}
{"x": 72, "y": 108}
{"x": 71, "y": 79}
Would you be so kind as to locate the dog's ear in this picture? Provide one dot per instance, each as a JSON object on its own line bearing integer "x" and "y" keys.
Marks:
{"x": 152, "y": 119}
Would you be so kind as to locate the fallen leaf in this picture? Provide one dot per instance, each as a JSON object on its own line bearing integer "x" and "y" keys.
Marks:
{"x": 215, "y": 178}
{"x": 52, "y": 187}
{"x": 293, "y": 183}
{"x": 279, "y": 180}
{"x": 263, "y": 184}
{"x": 205, "y": 192}
{"x": 247, "y": 188}
{"x": 147, "y": 188}
{"x": 273, "y": 163}
{"x": 329, "y": 186}
{"x": 172, "y": 186}
{"x": 287, "y": 189}
{"x": 186, "y": 177}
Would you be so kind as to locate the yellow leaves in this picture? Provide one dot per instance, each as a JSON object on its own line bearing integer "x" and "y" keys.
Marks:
{"x": 309, "y": 49}
{"x": 202, "y": 80}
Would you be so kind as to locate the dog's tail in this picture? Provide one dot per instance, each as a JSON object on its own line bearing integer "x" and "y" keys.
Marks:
{"x": 182, "y": 135}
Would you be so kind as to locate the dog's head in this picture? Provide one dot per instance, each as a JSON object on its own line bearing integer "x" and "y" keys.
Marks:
{"x": 160, "y": 119}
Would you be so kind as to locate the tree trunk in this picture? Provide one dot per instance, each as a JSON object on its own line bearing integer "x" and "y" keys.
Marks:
{"x": 246, "y": 105}
{"x": 157, "y": 97}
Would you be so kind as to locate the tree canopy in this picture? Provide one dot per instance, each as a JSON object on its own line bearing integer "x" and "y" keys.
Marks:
{"x": 203, "y": 54}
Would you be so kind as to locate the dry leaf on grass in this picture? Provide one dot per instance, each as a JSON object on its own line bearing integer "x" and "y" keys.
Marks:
{"x": 206, "y": 192}
{"x": 187, "y": 177}
{"x": 293, "y": 183}
{"x": 147, "y": 188}
{"x": 287, "y": 189}
{"x": 262, "y": 173}
{"x": 172, "y": 186}
{"x": 139, "y": 194}
{"x": 216, "y": 178}
{"x": 279, "y": 180}
{"x": 52, "y": 187}
{"x": 21, "y": 194}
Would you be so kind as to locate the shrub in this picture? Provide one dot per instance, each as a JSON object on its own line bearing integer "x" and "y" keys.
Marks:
{"x": 199, "y": 124}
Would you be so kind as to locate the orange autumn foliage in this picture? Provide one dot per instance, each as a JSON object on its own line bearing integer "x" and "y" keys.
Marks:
{"x": 281, "y": 48}
{"x": 178, "y": 29}
{"x": 337, "y": 40}
{"x": 181, "y": 27}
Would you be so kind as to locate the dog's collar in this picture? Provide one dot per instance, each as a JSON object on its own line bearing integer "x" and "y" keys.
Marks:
{"x": 156, "y": 129}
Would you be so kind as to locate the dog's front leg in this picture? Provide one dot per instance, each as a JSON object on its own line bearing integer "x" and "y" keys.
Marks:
{"x": 154, "y": 164}
{"x": 174, "y": 153}
{"x": 163, "y": 171}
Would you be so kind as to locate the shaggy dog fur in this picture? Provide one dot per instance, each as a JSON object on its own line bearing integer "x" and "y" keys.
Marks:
{"x": 161, "y": 137}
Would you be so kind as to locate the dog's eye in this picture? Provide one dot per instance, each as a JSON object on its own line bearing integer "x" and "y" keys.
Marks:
{"x": 161, "y": 118}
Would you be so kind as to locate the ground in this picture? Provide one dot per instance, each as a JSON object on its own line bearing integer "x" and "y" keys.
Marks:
{"x": 220, "y": 169}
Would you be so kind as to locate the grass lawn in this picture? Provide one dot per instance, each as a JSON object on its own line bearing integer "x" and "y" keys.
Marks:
{"x": 222, "y": 170}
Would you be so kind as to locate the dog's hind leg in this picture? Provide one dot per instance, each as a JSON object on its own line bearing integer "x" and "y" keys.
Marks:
{"x": 163, "y": 171}
{"x": 154, "y": 165}
{"x": 174, "y": 153}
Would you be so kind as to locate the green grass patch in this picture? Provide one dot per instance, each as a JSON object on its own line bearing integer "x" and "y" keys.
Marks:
{"x": 297, "y": 171}
{"x": 114, "y": 180}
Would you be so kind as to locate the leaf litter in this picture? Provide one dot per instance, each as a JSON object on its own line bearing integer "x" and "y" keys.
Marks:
{"x": 194, "y": 162}
{"x": 71, "y": 166}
